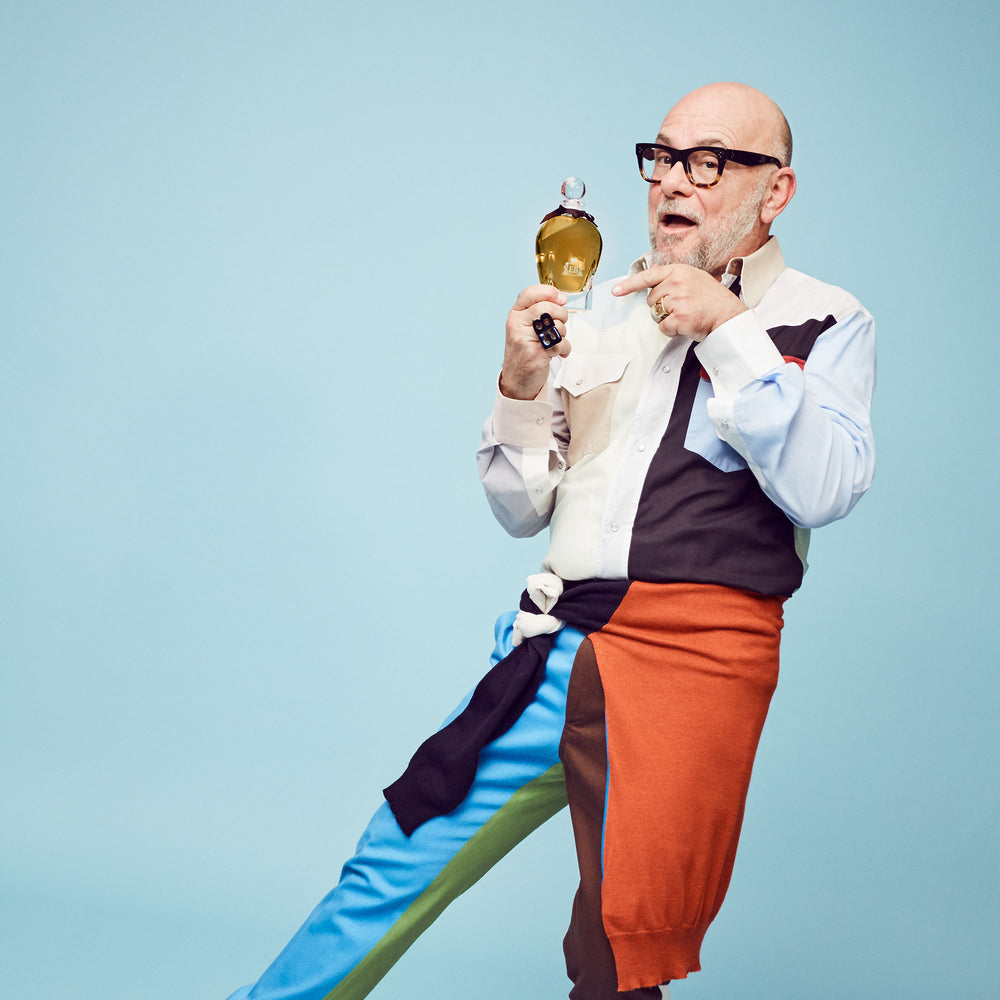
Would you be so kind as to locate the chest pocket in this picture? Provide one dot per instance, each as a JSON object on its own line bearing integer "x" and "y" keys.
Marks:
{"x": 589, "y": 385}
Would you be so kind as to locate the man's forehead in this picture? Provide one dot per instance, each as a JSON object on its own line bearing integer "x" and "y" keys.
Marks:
{"x": 708, "y": 139}
{"x": 697, "y": 130}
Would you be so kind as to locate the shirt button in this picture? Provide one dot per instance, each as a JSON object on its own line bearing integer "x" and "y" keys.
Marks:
{"x": 665, "y": 369}
{"x": 540, "y": 420}
{"x": 640, "y": 447}
{"x": 715, "y": 370}
{"x": 614, "y": 526}
{"x": 579, "y": 381}
{"x": 538, "y": 489}
{"x": 724, "y": 425}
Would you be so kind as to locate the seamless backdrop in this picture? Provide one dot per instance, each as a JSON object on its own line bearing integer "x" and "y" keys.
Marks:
{"x": 254, "y": 265}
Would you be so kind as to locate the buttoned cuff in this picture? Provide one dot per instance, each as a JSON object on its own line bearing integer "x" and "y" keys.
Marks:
{"x": 736, "y": 353}
{"x": 524, "y": 423}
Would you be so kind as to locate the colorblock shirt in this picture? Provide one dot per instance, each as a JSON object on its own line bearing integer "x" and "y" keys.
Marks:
{"x": 663, "y": 460}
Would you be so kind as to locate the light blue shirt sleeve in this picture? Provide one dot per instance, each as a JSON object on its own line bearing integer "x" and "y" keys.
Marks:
{"x": 805, "y": 433}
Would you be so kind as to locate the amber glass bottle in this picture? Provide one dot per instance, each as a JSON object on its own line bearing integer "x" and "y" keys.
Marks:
{"x": 568, "y": 245}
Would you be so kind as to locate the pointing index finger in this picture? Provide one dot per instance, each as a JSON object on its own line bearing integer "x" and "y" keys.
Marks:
{"x": 641, "y": 279}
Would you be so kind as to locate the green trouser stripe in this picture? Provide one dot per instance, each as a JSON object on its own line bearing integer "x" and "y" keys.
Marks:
{"x": 526, "y": 810}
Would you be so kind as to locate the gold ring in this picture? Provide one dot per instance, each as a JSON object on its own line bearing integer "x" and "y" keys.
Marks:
{"x": 659, "y": 311}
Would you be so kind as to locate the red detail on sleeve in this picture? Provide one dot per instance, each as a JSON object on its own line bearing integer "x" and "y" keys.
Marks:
{"x": 787, "y": 358}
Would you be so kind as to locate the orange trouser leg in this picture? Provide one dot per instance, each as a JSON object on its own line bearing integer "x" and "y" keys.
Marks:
{"x": 589, "y": 960}
{"x": 683, "y": 679}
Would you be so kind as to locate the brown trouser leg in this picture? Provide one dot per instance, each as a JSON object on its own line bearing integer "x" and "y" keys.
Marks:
{"x": 589, "y": 960}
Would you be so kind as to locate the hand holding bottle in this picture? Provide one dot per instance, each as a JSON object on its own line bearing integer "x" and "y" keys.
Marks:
{"x": 525, "y": 360}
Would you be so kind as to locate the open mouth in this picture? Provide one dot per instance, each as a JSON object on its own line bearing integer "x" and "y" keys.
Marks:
{"x": 676, "y": 223}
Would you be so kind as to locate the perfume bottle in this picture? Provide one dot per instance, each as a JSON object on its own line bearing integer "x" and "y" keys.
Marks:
{"x": 568, "y": 246}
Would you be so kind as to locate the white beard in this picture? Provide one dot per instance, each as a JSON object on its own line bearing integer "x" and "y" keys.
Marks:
{"x": 714, "y": 246}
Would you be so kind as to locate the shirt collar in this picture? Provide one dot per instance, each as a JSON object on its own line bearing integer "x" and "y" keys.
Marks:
{"x": 757, "y": 271}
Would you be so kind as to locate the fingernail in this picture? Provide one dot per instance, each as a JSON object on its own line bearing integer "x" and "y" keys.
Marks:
{"x": 562, "y": 299}
{"x": 616, "y": 290}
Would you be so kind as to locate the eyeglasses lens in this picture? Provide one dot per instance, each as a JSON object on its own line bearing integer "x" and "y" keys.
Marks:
{"x": 702, "y": 165}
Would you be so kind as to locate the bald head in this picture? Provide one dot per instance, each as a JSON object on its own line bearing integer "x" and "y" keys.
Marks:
{"x": 748, "y": 118}
{"x": 706, "y": 225}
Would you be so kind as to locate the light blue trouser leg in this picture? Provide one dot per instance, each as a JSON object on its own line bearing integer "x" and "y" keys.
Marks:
{"x": 395, "y": 886}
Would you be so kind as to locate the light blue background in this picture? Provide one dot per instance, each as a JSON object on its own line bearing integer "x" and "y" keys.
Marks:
{"x": 255, "y": 263}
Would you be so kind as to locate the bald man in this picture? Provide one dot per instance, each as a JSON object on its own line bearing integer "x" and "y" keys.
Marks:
{"x": 678, "y": 443}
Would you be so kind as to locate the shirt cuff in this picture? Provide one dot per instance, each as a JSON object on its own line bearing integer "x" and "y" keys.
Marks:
{"x": 737, "y": 353}
{"x": 525, "y": 423}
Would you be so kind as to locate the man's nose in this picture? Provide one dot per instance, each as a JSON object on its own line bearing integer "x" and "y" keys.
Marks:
{"x": 676, "y": 179}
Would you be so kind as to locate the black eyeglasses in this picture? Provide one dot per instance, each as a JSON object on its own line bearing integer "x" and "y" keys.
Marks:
{"x": 702, "y": 164}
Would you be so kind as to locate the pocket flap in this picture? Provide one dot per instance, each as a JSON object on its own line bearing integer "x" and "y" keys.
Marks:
{"x": 579, "y": 373}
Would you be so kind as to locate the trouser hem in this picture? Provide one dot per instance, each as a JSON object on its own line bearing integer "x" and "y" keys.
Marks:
{"x": 656, "y": 957}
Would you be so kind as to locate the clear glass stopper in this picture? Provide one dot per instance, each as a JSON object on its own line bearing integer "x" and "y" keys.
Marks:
{"x": 573, "y": 188}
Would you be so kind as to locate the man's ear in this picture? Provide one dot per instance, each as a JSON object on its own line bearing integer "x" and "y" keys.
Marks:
{"x": 779, "y": 194}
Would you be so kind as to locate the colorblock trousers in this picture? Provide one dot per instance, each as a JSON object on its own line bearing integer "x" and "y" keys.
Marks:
{"x": 647, "y": 728}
